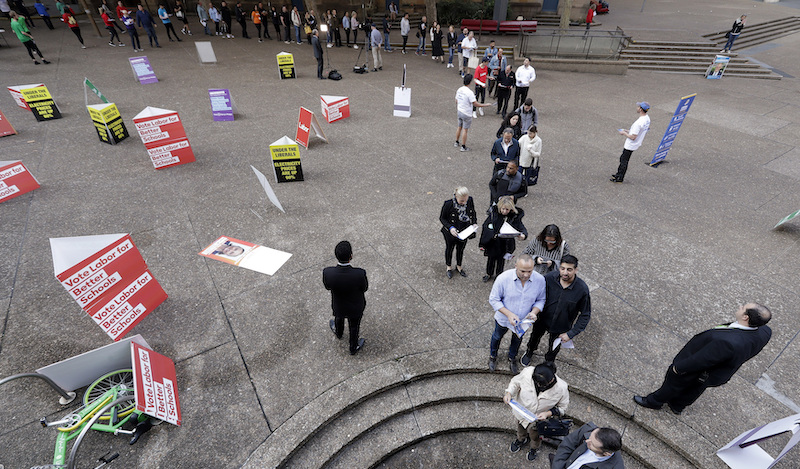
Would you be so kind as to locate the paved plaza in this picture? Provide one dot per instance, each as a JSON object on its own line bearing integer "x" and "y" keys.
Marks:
{"x": 671, "y": 252}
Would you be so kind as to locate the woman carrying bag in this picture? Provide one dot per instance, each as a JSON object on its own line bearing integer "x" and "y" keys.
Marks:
{"x": 530, "y": 149}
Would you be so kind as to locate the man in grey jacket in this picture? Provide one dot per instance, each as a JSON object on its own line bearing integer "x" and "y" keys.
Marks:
{"x": 589, "y": 447}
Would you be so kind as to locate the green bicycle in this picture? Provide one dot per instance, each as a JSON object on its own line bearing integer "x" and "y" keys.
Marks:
{"x": 108, "y": 406}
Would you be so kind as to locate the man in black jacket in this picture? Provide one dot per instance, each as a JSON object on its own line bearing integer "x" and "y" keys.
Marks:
{"x": 317, "y": 46}
{"x": 347, "y": 285}
{"x": 589, "y": 446}
{"x": 711, "y": 358}
{"x": 567, "y": 309}
{"x": 508, "y": 181}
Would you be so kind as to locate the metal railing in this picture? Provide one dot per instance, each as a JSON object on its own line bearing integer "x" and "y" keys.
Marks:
{"x": 556, "y": 43}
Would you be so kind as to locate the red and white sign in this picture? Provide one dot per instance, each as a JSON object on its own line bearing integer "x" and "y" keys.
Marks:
{"x": 155, "y": 384}
{"x": 15, "y": 179}
{"x": 307, "y": 122}
{"x": 335, "y": 108}
{"x": 5, "y": 126}
{"x": 107, "y": 276}
{"x": 163, "y": 135}
{"x": 16, "y": 93}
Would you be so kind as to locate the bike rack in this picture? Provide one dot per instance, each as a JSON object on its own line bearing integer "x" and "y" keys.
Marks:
{"x": 74, "y": 452}
{"x": 66, "y": 397}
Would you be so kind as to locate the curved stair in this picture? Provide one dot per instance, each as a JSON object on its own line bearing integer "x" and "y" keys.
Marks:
{"x": 379, "y": 412}
{"x": 758, "y": 33}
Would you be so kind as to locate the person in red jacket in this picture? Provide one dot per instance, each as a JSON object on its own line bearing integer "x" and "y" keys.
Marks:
{"x": 73, "y": 26}
{"x": 111, "y": 26}
{"x": 590, "y": 16}
{"x": 481, "y": 81}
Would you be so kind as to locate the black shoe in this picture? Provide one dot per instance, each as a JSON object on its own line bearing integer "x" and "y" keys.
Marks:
{"x": 512, "y": 364}
{"x": 486, "y": 278}
{"x": 462, "y": 273}
{"x": 674, "y": 410}
{"x": 532, "y": 454}
{"x": 526, "y": 359}
{"x": 492, "y": 363}
{"x": 333, "y": 329}
{"x": 380, "y": 68}
{"x": 643, "y": 402}
{"x": 618, "y": 181}
{"x": 516, "y": 444}
{"x": 359, "y": 347}
{"x": 374, "y": 69}
{"x": 449, "y": 274}
{"x": 46, "y": 61}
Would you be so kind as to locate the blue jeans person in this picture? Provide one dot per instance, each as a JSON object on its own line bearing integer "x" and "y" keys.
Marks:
{"x": 729, "y": 44}
{"x": 421, "y": 46}
{"x": 450, "y": 59}
{"x": 497, "y": 336}
{"x": 386, "y": 45}
{"x": 297, "y": 33}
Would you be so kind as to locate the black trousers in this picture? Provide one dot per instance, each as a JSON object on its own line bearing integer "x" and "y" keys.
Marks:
{"x": 503, "y": 95}
{"x": 168, "y": 27}
{"x": 519, "y": 96}
{"x": 319, "y": 67}
{"x": 538, "y": 329}
{"x": 353, "y": 325}
{"x": 495, "y": 265}
{"x": 113, "y": 34}
{"x": 480, "y": 93}
{"x": 31, "y": 47}
{"x": 77, "y": 32}
{"x": 679, "y": 391}
{"x": 258, "y": 28}
{"x": 450, "y": 243}
{"x": 46, "y": 20}
{"x": 623, "y": 164}
{"x": 243, "y": 24}
{"x": 337, "y": 37}
{"x": 405, "y": 41}
{"x": 347, "y": 34}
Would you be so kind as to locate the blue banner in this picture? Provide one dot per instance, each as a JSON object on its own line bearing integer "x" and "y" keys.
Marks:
{"x": 672, "y": 129}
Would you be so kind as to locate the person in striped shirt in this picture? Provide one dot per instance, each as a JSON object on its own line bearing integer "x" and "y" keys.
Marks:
{"x": 547, "y": 249}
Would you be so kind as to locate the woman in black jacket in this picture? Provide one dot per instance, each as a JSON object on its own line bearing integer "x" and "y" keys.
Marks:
{"x": 457, "y": 214}
{"x": 496, "y": 247}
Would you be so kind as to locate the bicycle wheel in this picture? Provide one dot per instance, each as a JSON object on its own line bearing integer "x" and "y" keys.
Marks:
{"x": 120, "y": 379}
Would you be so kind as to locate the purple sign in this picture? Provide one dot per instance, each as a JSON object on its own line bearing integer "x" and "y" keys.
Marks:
{"x": 142, "y": 70}
{"x": 221, "y": 104}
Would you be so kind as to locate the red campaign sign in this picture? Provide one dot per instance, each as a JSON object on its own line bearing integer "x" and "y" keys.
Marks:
{"x": 16, "y": 93}
{"x": 15, "y": 179}
{"x": 5, "y": 126}
{"x": 303, "y": 127}
{"x": 112, "y": 284}
{"x": 164, "y": 137}
{"x": 155, "y": 384}
{"x": 335, "y": 108}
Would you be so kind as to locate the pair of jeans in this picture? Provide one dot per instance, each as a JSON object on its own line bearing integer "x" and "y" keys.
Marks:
{"x": 297, "y": 34}
{"x": 497, "y": 336}
{"x": 386, "y": 45}
{"x": 729, "y": 44}
{"x": 421, "y": 46}
{"x": 450, "y": 58}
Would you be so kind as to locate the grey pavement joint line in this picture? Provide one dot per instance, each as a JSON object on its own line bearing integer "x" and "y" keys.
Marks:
{"x": 766, "y": 384}
{"x": 233, "y": 333}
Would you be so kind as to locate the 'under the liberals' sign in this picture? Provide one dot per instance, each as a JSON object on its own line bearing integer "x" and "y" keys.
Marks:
{"x": 162, "y": 133}
{"x": 108, "y": 123}
{"x": 15, "y": 179}
{"x": 37, "y": 99}
{"x": 286, "y": 160}
{"x": 107, "y": 276}
{"x": 286, "y": 65}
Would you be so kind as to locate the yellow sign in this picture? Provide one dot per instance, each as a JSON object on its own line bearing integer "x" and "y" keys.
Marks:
{"x": 286, "y": 160}
{"x": 108, "y": 122}
{"x": 286, "y": 65}
{"x": 41, "y": 103}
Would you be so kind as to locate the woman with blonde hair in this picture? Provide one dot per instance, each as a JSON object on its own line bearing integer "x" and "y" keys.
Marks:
{"x": 497, "y": 246}
{"x": 457, "y": 215}
{"x": 354, "y": 27}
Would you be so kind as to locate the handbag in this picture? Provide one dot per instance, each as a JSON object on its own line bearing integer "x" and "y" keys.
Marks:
{"x": 553, "y": 427}
{"x": 533, "y": 176}
{"x": 307, "y": 29}
{"x": 728, "y": 35}
{"x": 474, "y": 61}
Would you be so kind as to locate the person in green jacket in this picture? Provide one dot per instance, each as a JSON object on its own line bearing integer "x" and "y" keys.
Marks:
{"x": 21, "y": 30}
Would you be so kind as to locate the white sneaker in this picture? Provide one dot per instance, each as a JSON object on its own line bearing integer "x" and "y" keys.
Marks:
{"x": 330, "y": 45}
{"x": 480, "y": 110}
{"x": 83, "y": 47}
{"x": 474, "y": 115}
{"x": 355, "y": 47}
{"x": 111, "y": 44}
{"x": 121, "y": 44}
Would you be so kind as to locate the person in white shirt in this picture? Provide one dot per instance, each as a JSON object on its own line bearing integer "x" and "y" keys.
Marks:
{"x": 465, "y": 99}
{"x": 405, "y": 28}
{"x": 530, "y": 149}
{"x": 525, "y": 75}
{"x": 633, "y": 140}
{"x": 589, "y": 446}
{"x": 469, "y": 47}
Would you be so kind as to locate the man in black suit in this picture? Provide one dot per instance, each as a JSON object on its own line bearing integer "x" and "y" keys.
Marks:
{"x": 347, "y": 285}
{"x": 504, "y": 149}
{"x": 711, "y": 358}
{"x": 589, "y": 446}
{"x": 317, "y": 46}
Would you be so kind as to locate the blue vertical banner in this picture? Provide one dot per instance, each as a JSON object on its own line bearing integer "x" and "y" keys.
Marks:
{"x": 672, "y": 129}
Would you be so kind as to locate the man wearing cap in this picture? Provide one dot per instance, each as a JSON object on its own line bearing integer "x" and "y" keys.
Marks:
{"x": 633, "y": 139}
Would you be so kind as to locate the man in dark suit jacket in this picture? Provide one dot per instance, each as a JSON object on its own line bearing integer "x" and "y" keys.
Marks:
{"x": 711, "y": 358}
{"x": 591, "y": 447}
{"x": 505, "y": 149}
{"x": 508, "y": 181}
{"x": 317, "y": 46}
{"x": 347, "y": 285}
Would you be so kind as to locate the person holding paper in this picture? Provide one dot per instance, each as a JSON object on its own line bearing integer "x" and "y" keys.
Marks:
{"x": 543, "y": 394}
{"x": 347, "y": 285}
{"x": 566, "y": 312}
{"x": 497, "y": 246}
{"x": 711, "y": 358}
{"x": 457, "y": 214}
{"x": 516, "y": 295}
{"x": 547, "y": 249}
{"x": 509, "y": 182}
{"x": 505, "y": 149}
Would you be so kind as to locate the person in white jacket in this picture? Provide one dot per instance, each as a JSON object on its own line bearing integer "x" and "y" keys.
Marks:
{"x": 530, "y": 149}
{"x": 405, "y": 28}
{"x": 542, "y": 394}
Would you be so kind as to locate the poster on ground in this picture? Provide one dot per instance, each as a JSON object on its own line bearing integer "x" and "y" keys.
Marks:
{"x": 743, "y": 451}
{"x": 247, "y": 255}
{"x": 155, "y": 384}
{"x": 6, "y": 128}
{"x": 108, "y": 123}
{"x": 108, "y": 278}
{"x": 221, "y": 104}
{"x": 672, "y": 129}
{"x": 15, "y": 180}
{"x": 717, "y": 69}
{"x": 286, "y": 65}
{"x": 334, "y": 108}
{"x": 36, "y": 98}
{"x": 142, "y": 70}
{"x": 286, "y": 160}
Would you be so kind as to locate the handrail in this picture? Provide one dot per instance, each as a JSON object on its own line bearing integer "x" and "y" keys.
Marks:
{"x": 66, "y": 397}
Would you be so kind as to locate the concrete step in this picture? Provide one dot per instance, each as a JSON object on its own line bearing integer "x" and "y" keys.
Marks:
{"x": 687, "y": 44}
{"x": 670, "y": 48}
{"x": 741, "y": 73}
{"x": 628, "y": 52}
{"x": 756, "y": 27}
{"x": 694, "y": 64}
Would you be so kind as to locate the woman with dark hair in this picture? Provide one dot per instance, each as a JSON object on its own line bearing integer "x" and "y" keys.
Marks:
{"x": 498, "y": 246}
{"x": 457, "y": 215}
{"x": 512, "y": 121}
{"x": 541, "y": 393}
{"x": 547, "y": 249}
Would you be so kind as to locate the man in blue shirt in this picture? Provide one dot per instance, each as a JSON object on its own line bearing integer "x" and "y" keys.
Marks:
{"x": 145, "y": 20}
{"x": 516, "y": 295}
